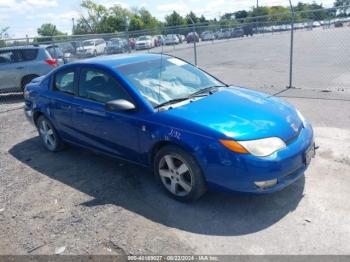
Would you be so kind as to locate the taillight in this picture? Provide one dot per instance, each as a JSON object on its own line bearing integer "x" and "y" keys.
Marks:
{"x": 52, "y": 62}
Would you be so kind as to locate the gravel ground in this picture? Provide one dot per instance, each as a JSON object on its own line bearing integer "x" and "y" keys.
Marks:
{"x": 76, "y": 202}
{"x": 91, "y": 204}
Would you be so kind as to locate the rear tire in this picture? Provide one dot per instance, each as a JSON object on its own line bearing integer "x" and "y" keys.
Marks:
{"x": 179, "y": 174}
{"x": 49, "y": 135}
{"x": 26, "y": 80}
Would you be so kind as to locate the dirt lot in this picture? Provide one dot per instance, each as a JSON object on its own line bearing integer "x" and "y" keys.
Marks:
{"x": 76, "y": 202}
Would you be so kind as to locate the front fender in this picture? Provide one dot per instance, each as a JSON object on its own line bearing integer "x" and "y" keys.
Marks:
{"x": 153, "y": 137}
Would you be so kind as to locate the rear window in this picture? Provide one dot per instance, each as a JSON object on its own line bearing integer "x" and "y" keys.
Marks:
{"x": 29, "y": 54}
{"x": 55, "y": 52}
{"x": 12, "y": 56}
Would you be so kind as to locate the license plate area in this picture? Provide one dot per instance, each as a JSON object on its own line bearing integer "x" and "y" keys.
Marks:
{"x": 309, "y": 154}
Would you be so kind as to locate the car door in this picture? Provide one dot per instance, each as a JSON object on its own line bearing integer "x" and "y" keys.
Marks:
{"x": 10, "y": 70}
{"x": 64, "y": 89}
{"x": 111, "y": 132}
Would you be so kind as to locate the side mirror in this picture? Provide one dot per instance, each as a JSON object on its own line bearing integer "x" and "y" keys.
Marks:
{"x": 120, "y": 105}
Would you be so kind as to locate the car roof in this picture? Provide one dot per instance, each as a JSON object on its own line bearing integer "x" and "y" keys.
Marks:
{"x": 20, "y": 47}
{"x": 113, "y": 61}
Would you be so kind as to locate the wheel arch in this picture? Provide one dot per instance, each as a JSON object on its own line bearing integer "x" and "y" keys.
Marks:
{"x": 160, "y": 144}
{"x": 36, "y": 116}
{"x": 28, "y": 76}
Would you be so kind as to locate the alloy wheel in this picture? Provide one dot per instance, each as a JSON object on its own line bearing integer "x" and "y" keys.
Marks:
{"x": 175, "y": 175}
{"x": 47, "y": 135}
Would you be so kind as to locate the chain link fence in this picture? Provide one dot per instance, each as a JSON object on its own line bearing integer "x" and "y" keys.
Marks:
{"x": 253, "y": 52}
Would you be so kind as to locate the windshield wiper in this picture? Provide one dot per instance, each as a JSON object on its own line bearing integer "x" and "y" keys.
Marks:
{"x": 172, "y": 101}
{"x": 206, "y": 90}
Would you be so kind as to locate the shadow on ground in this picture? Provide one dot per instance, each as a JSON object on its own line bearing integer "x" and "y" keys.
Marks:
{"x": 11, "y": 98}
{"x": 110, "y": 181}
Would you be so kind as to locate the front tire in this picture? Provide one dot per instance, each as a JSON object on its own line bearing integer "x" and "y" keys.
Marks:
{"x": 49, "y": 135}
{"x": 179, "y": 174}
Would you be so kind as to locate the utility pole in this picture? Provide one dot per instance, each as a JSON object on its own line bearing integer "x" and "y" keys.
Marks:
{"x": 291, "y": 46}
{"x": 73, "y": 26}
{"x": 194, "y": 40}
{"x": 127, "y": 23}
{"x": 257, "y": 3}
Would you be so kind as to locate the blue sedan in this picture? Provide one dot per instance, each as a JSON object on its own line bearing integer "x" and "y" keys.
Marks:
{"x": 161, "y": 112}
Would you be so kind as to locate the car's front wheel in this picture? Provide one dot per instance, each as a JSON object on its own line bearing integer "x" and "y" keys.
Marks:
{"x": 49, "y": 135}
{"x": 179, "y": 173}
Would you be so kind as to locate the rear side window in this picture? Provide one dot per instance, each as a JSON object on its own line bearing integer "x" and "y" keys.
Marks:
{"x": 9, "y": 56}
{"x": 97, "y": 85}
{"x": 64, "y": 82}
{"x": 29, "y": 54}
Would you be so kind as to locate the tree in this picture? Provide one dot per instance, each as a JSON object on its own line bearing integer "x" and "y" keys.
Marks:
{"x": 95, "y": 21}
{"x": 343, "y": 7}
{"x": 48, "y": 29}
{"x": 148, "y": 20}
{"x": 99, "y": 19}
{"x": 203, "y": 20}
{"x": 242, "y": 14}
{"x": 191, "y": 17}
{"x": 174, "y": 19}
{"x": 3, "y": 35}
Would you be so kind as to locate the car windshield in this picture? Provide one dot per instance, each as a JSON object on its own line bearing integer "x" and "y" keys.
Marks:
{"x": 165, "y": 79}
{"x": 143, "y": 38}
{"x": 115, "y": 41}
{"x": 88, "y": 43}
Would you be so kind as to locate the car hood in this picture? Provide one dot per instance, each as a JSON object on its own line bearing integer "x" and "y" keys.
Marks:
{"x": 242, "y": 114}
{"x": 86, "y": 47}
{"x": 143, "y": 42}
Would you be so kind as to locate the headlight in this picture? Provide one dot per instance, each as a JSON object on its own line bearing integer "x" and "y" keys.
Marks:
{"x": 261, "y": 147}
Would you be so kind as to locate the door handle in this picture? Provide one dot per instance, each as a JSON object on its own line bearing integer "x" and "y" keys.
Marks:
{"x": 79, "y": 110}
{"x": 20, "y": 67}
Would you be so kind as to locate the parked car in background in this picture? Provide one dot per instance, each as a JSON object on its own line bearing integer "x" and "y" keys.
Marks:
{"x": 19, "y": 65}
{"x": 248, "y": 30}
{"x": 182, "y": 38}
{"x": 195, "y": 132}
{"x": 56, "y": 53}
{"x": 75, "y": 45}
{"x": 224, "y": 33}
{"x": 68, "y": 51}
{"x": 338, "y": 24}
{"x": 92, "y": 47}
{"x": 171, "y": 39}
{"x": 207, "y": 36}
{"x": 144, "y": 42}
{"x": 117, "y": 46}
{"x": 160, "y": 39}
{"x": 66, "y": 47}
{"x": 192, "y": 37}
{"x": 237, "y": 32}
{"x": 132, "y": 43}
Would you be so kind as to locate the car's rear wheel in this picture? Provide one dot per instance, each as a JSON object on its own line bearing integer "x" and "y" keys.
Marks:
{"x": 49, "y": 135}
{"x": 26, "y": 80}
{"x": 179, "y": 173}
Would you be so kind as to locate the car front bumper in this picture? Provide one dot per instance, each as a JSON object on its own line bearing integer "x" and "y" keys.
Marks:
{"x": 228, "y": 171}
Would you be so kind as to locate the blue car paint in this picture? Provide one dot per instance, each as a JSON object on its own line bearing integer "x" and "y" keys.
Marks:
{"x": 232, "y": 113}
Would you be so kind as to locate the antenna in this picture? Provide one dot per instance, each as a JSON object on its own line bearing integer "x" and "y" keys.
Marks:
{"x": 160, "y": 71}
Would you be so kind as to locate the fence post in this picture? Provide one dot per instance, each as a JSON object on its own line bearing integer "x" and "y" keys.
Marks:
{"x": 291, "y": 47}
{"x": 194, "y": 40}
